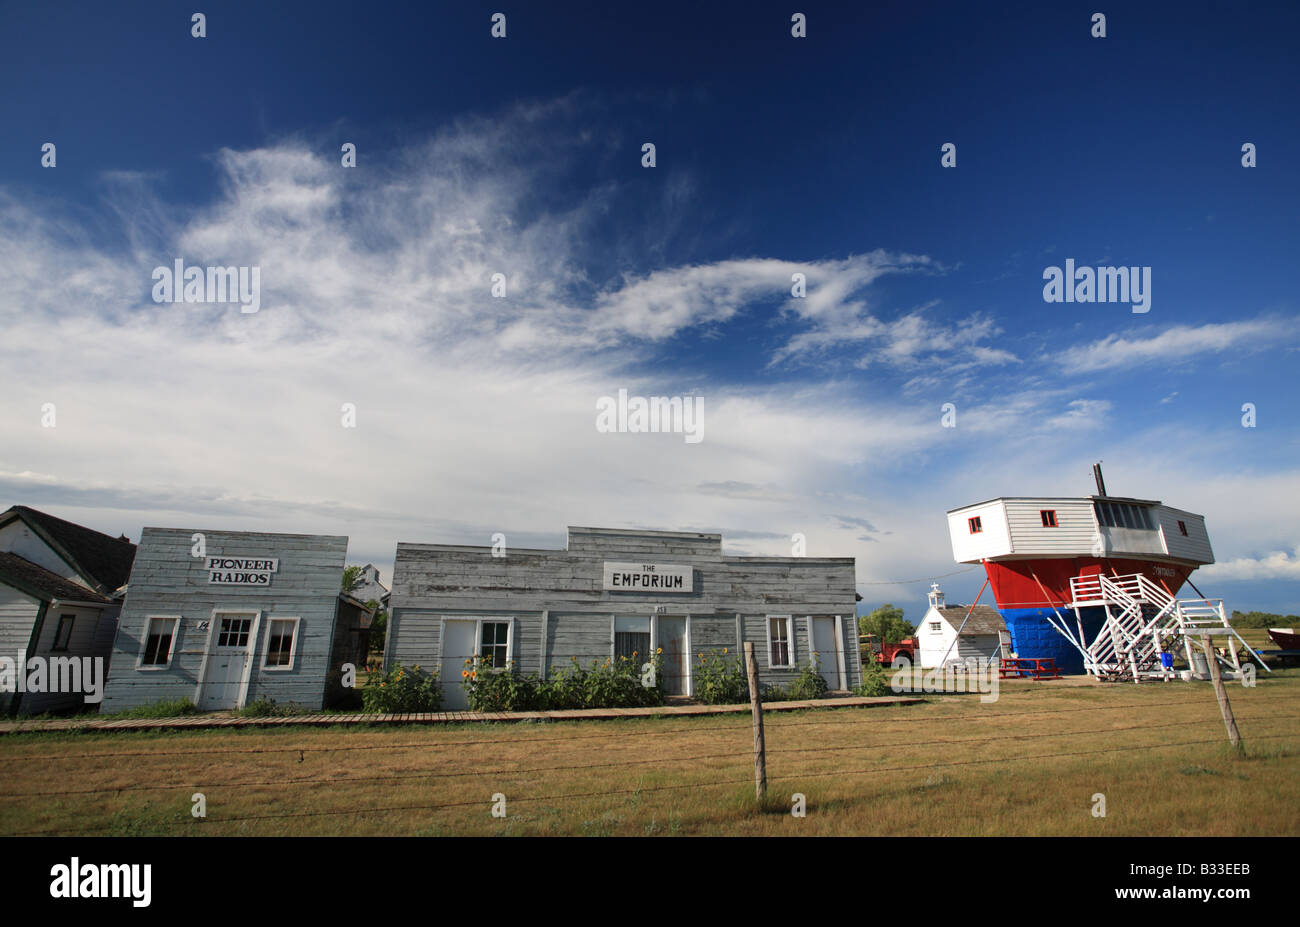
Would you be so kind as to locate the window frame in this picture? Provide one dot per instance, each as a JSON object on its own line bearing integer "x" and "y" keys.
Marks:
{"x": 976, "y": 524}
{"x": 789, "y": 637}
{"x": 936, "y": 627}
{"x": 71, "y": 623}
{"x": 478, "y": 620}
{"x": 293, "y": 643}
{"x": 1048, "y": 518}
{"x": 144, "y": 643}
{"x": 509, "y": 644}
{"x": 220, "y": 615}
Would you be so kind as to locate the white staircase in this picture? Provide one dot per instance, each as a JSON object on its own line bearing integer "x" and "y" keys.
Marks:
{"x": 1143, "y": 621}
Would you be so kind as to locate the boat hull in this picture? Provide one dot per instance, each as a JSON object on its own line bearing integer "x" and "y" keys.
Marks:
{"x": 1032, "y": 593}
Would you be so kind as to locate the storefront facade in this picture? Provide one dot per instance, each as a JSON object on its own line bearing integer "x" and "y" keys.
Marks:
{"x": 620, "y": 592}
{"x": 226, "y": 617}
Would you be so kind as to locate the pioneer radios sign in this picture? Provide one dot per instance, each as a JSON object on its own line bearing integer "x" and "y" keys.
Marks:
{"x": 241, "y": 571}
{"x": 648, "y": 577}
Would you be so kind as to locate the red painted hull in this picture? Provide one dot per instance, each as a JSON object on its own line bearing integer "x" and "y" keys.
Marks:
{"x": 1045, "y": 582}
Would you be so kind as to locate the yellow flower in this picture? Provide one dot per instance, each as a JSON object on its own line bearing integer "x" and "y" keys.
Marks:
{"x": 473, "y": 675}
{"x": 724, "y": 651}
{"x": 659, "y": 650}
{"x": 633, "y": 654}
{"x": 464, "y": 674}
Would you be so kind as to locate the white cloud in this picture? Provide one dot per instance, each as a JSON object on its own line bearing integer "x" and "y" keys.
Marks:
{"x": 1278, "y": 564}
{"x": 1178, "y": 343}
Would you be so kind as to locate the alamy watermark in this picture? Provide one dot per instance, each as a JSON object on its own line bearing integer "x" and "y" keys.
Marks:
{"x": 975, "y": 674}
{"x": 82, "y": 675}
{"x": 181, "y": 284}
{"x": 638, "y": 414}
{"x": 1098, "y": 285}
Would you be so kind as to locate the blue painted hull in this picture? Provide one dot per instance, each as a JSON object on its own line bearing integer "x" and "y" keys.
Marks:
{"x": 1032, "y": 635}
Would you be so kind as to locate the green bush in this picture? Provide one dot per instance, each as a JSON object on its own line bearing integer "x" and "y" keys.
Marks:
{"x": 770, "y": 692}
{"x": 504, "y": 690}
{"x": 809, "y": 683}
{"x": 875, "y": 681}
{"x": 402, "y": 690}
{"x": 720, "y": 679}
{"x": 265, "y": 707}
{"x": 605, "y": 684}
{"x": 167, "y": 708}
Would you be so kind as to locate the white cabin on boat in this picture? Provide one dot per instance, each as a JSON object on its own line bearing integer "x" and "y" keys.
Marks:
{"x": 1096, "y": 526}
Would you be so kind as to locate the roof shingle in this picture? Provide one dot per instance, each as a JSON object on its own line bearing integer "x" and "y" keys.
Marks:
{"x": 35, "y": 580}
{"x": 103, "y": 560}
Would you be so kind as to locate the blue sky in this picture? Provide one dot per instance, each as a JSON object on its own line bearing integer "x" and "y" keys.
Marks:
{"x": 775, "y": 156}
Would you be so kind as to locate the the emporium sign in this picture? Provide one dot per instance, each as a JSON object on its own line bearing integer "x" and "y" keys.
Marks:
{"x": 648, "y": 577}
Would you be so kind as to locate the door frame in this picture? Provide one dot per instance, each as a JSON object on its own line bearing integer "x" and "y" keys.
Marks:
{"x": 688, "y": 683}
{"x": 213, "y": 623}
{"x": 837, "y": 623}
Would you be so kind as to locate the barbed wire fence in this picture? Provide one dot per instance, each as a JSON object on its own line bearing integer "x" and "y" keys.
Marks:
{"x": 566, "y": 754}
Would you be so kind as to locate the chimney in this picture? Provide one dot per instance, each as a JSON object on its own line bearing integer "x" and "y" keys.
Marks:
{"x": 1101, "y": 483}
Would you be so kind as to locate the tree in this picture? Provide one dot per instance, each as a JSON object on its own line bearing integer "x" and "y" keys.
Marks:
{"x": 378, "y": 626}
{"x": 887, "y": 623}
{"x": 352, "y": 578}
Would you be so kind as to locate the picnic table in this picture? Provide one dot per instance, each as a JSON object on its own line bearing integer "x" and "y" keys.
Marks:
{"x": 1032, "y": 667}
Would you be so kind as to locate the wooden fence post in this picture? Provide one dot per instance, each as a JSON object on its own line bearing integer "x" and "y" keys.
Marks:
{"x": 756, "y": 705}
{"x": 1220, "y": 692}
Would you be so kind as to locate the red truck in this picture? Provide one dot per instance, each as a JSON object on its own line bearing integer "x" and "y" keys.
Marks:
{"x": 886, "y": 653}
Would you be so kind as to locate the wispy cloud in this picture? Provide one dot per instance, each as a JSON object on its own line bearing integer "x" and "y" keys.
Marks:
{"x": 1179, "y": 343}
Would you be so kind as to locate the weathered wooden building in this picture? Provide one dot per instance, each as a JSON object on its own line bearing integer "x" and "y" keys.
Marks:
{"x": 59, "y": 600}
{"x": 615, "y": 592}
{"x": 227, "y": 617}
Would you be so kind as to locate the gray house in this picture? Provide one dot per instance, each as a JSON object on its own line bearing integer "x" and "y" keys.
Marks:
{"x": 59, "y": 601}
{"x": 226, "y": 617}
{"x": 617, "y": 592}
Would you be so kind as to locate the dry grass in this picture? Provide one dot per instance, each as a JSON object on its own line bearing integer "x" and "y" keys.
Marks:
{"x": 1028, "y": 764}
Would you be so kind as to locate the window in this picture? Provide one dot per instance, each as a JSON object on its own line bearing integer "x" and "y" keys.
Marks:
{"x": 158, "y": 637}
{"x": 780, "y": 641}
{"x": 1124, "y": 515}
{"x": 64, "y": 632}
{"x": 976, "y": 526}
{"x": 631, "y": 637}
{"x": 1182, "y": 528}
{"x": 234, "y": 632}
{"x": 281, "y": 641}
{"x": 936, "y": 626}
{"x": 1049, "y": 518}
{"x": 494, "y": 643}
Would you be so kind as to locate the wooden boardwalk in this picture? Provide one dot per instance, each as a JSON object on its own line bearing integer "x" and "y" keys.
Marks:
{"x": 218, "y": 720}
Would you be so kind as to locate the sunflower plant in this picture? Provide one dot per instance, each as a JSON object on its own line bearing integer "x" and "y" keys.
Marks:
{"x": 402, "y": 689}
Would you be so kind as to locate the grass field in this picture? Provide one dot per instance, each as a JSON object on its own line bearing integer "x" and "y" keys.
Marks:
{"x": 1028, "y": 764}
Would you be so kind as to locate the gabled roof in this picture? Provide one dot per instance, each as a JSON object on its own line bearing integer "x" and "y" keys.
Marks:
{"x": 102, "y": 560}
{"x": 984, "y": 619}
{"x": 40, "y": 583}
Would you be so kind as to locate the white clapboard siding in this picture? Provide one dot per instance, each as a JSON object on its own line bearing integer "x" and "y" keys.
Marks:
{"x": 562, "y": 591}
{"x": 1195, "y": 546}
{"x": 167, "y": 580}
{"x": 1075, "y": 531}
{"x": 993, "y": 540}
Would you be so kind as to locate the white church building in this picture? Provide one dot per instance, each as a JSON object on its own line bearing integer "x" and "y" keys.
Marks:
{"x": 938, "y": 640}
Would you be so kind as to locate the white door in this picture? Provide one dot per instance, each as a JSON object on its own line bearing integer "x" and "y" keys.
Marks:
{"x": 828, "y": 655}
{"x": 458, "y": 645}
{"x": 224, "y": 673}
{"x": 672, "y": 638}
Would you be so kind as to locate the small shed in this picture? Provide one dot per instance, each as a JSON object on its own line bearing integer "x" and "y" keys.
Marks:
{"x": 937, "y": 637}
